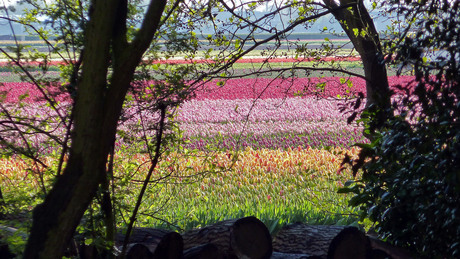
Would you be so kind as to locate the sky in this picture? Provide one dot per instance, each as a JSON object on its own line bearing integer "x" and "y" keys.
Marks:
{"x": 5, "y": 30}
{"x": 8, "y": 2}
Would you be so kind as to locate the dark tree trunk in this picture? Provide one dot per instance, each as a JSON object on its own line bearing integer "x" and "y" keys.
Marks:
{"x": 96, "y": 111}
{"x": 359, "y": 26}
{"x": 55, "y": 220}
{"x": 2, "y": 204}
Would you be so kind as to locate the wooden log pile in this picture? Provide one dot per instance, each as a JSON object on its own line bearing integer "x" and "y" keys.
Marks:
{"x": 249, "y": 238}
{"x": 152, "y": 243}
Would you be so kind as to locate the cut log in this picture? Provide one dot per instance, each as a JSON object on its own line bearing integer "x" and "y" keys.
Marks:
{"x": 350, "y": 243}
{"x": 203, "y": 252}
{"x": 159, "y": 243}
{"x": 314, "y": 240}
{"x": 238, "y": 238}
{"x": 85, "y": 252}
{"x": 139, "y": 251}
{"x": 305, "y": 239}
{"x": 393, "y": 251}
{"x": 380, "y": 254}
{"x": 278, "y": 255}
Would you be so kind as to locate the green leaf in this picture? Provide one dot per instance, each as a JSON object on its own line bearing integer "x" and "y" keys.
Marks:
{"x": 321, "y": 86}
{"x": 349, "y": 83}
{"x": 23, "y": 96}
{"x": 356, "y": 32}
{"x": 374, "y": 5}
{"x": 237, "y": 43}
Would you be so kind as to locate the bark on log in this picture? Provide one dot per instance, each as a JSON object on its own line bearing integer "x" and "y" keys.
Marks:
{"x": 350, "y": 243}
{"x": 314, "y": 240}
{"x": 393, "y": 251}
{"x": 238, "y": 238}
{"x": 203, "y": 252}
{"x": 305, "y": 239}
{"x": 278, "y": 255}
{"x": 152, "y": 243}
{"x": 380, "y": 254}
{"x": 139, "y": 251}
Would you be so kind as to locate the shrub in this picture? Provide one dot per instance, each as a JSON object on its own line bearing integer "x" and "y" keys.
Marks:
{"x": 410, "y": 183}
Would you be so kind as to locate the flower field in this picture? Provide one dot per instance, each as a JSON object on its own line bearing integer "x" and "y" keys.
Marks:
{"x": 266, "y": 147}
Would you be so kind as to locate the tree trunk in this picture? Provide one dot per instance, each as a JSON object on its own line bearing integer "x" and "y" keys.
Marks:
{"x": 96, "y": 111}
{"x": 2, "y": 204}
{"x": 320, "y": 241}
{"x": 360, "y": 28}
{"x": 238, "y": 238}
{"x": 55, "y": 220}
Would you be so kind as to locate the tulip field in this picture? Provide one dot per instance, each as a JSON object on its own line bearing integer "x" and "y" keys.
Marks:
{"x": 266, "y": 147}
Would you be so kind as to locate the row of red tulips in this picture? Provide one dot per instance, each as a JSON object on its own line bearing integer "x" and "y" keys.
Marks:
{"x": 244, "y": 88}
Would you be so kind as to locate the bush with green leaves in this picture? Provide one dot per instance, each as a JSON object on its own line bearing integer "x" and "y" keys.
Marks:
{"x": 409, "y": 183}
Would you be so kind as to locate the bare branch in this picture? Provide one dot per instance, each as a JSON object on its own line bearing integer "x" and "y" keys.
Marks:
{"x": 276, "y": 35}
{"x": 148, "y": 29}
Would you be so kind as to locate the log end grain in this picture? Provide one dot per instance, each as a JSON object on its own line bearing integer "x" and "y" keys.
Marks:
{"x": 170, "y": 246}
{"x": 350, "y": 243}
{"x": 250, "y": 238}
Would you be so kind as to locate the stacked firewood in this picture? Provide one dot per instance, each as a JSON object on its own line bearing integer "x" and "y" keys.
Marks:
{"x": 249, "y": 238}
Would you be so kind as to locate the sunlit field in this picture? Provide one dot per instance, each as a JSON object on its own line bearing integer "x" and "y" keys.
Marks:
{"x": 270, "y": 148}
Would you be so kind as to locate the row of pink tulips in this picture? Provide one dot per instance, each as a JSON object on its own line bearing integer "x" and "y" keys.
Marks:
{"x": 258, "y": 113}
{"x": 244, "y": 88}
{"x": 243, "y": 128}
{"x": 288, "y": 109}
